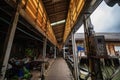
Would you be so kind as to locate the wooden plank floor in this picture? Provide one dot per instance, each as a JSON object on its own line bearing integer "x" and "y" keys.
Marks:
{"x": 59, "y": 71}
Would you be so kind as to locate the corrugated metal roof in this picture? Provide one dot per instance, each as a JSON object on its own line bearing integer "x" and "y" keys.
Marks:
{"x": 108, "y": 36}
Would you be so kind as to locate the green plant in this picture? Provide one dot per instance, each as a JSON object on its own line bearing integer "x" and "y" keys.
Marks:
{"x": 29, "y": 52}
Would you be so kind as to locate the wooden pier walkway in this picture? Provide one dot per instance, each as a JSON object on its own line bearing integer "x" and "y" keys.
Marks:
{"x": 59, "y": 71}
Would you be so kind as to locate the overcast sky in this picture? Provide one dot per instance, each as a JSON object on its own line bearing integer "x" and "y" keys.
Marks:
{"x": 105, "y": 19}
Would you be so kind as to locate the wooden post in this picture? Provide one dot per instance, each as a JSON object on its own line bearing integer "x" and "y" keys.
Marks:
{"x": 64, "y": 52}
{"x": 55, "y": 52}
{"x": 108, "y": 51}
{"x": 112, "y": 49}
{"x": 94, "y": 64}
{"x": 75, "y": 58}
{"x": 9, "y": 39}
{"x": 44, "y": 48}
{"x": 44, "y": 55}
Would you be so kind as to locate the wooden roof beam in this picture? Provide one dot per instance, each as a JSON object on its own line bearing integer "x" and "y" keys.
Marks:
{"x": 57, "y": 3}
{"x": 58, "y": 13}
{"x": 61, "y": 30}
{"x": 58, "y": 7}
{"x": 52, "y": 20}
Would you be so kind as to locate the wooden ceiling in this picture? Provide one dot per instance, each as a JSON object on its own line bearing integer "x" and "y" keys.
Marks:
{"x": 57, "y": 11}
{"x": 66, "y": 15}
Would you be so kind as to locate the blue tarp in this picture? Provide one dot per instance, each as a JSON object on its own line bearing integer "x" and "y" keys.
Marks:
{"x": 79, "y": 48}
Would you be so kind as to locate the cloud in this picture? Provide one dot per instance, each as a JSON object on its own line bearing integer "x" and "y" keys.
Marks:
{"x": 105, "y": 19}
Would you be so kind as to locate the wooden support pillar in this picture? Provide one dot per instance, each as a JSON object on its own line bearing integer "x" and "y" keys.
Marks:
{"x": 112, "y": 50}
{"x": 44, "y": 48}
{"x": 55, "y": 52}
{"x": 44, "y": 55}
{"x": 75, "y": 58}
{"x": 9, "y": 38}
{"x": 108, "y": 51}
{"x": 64, "y": 52}
{"x": 87, "y": 46}
{"x": 94, "y": 63}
